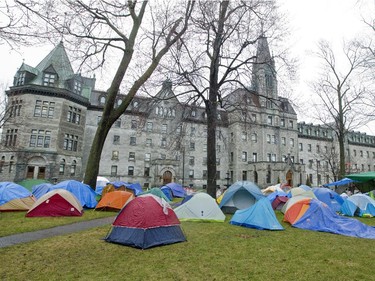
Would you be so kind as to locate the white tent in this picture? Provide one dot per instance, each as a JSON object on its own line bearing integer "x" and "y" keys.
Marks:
{"x": 201, "y": 207}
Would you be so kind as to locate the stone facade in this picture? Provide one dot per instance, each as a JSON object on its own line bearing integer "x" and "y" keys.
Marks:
{"x": 53, "y": 116}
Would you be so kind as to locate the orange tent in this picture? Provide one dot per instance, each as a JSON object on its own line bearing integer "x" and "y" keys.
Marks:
{"x": 297, "y": 210}
{"x": 114, "y": 200}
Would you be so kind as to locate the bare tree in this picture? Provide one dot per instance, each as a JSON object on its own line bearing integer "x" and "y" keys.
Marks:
{"x": 341, "y": 90}
{"x": 216, "y": 56}
{"x": 108, "y": 30}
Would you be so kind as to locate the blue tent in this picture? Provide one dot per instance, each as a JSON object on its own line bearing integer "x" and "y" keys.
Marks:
{"x": 41, "y": 189}
{"x": 84, "y": 193}
{"x": 136, "y": 187}
{"x": 343, "y": 181}
{"x": 240, "y": 195}
{"x": 330, "y": 197}
{"x": 10, "y": 191}
{"x": 260, "y": 216}
{"x": 319, "y": 217}
{"x": 358, "y": 204}
{"x": 173, "y": 189}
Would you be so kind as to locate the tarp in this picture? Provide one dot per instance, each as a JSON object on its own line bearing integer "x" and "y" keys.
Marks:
{"x": 84, "y": 193}
{"x": 330, "y": 197}
{"x": 240, "y": 195}
{"x": 173, "y": 189}
{"x": 319, "y": 217}
{"x": 56, "y": 203}
{"x": 259, "y": 216}
{"x": 343, "y": 181}
{"x": 146, "y": 221}
{"x": 200, "y": 207}
{"x": 135, "y": 188}
{"x": 14, "y": 197}
{"x": 114, "y": 201}
{"x": 366, "y": 176}
{"x": 41, "y": 189}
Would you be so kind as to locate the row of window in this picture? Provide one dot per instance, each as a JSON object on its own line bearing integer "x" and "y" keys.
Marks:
{"x": 44, "y": 109}
{"x": 40, "y": 138}
{"x": 73, "y": 115}
{"x": 15, "y": 108}
{"x": 73, "y": 168}
{"x": 11, "y": 137}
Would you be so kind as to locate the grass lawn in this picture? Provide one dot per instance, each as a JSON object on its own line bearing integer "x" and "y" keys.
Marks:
{"x": 16, "y": 222}
{"x": 214, "y": 251}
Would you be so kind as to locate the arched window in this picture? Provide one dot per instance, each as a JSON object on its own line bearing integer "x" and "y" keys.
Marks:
{"x": 2, "y": 162}
{"x": 254, "y": 137}
{"x": 102, "y": 100}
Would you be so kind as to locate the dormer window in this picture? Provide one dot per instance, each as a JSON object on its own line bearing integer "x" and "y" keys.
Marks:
{"x": 49, "y": 79}
{"x": 77, "y": 87}
{"x": 21, "y": 78}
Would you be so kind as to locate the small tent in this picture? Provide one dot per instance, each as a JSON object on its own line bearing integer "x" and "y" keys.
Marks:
{"x": 358, "y": 204}
{"x": 173, "y": 189}
{"x": 330, "y": 197}
{"x": 114, "y": 201}
{"x": 259, "y": 216}
{"x": 84, "y": 193}
{"x": 146, "y": 221}
{"x": 200, "y": 207}
{"x": 14, "y": 197}
{"x": 301, "y": 190}
{"x": 240, "y": 195}
{"x": 56, "y": 203}
{"x": 277, "y": 199}
{"x": 156, "y": 191}
{"x": 317, "y": 216}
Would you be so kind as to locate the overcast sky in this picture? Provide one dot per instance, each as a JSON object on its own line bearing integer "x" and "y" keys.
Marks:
{"x": 310, "y": 21}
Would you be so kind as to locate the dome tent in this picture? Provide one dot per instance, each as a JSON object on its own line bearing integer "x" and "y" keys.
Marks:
{"x": 14, "y": 197}
{"x": 240, "y": 195}
{"x": 56, "y": 203}
{"x": 146, "y": 221}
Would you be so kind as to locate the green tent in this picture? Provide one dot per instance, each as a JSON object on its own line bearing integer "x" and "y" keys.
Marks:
{"x": 156, "y": 191}
{"x": 366, "y": 176}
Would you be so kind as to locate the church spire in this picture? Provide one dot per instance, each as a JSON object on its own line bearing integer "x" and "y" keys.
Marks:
{"x": 264, "y": 74}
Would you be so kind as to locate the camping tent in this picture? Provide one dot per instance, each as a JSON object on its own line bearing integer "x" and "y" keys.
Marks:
{"x": 146, "y": 221}
{"x": 115, "y": 200}
{"x": 14, "y": 197}
{"x": 260, "y": 216}
{"x": 84, "y": 193}
{"x": 173, "y": 189}
{"x": 277, "y": 199}
{"x": 101, "y": 181}
{"x": 358, "y": 204}
{"x": 330, "y": 197}
{"x": 240, "y": 195}
{"x": 56, "y": 203}
{"x": 156, "y": 191}
{"x": 366, "y": 176}
{"x": 292, "y": 201}
{"x": 317, "y": 216}
{"x": 201, "y": 207}
{"x": 301, "y": 190}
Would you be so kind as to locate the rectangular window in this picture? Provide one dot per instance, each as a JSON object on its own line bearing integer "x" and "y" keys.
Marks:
{"x": 133, "y": 124}
{"x": 131, "y": 156}
{"x": 131, "y": 171}
{"x": 282, "y": 122}
{"x": 147, "y": 157}
{"x": 38, "y": 138}
{"x": 117, "y": 123}
{"x": 290, "y": 123}
{"x": 133, "y": 141}
{"x": 300, "y": 146}
{"x": 191, "y": 160}
{"x": 192, "y": 131}
{"x": 192, "y": 145}
{"x": 116, "y": 139}
{"x": 113, "y": 170}
{"x": 292, "y": 142}
{"x": 244, "y": 156}
{"x": 244, "y": 175}
{"x": 269, "y": 120}
{"x": 147, "y": 172}
{"x": 163, "y": 142}
{"x": 73, "y": 115}
{"x": 49, "y": 79}
{"x": 191, "y": 174}
{"x": 283, "y": 140}
{"x": 255, "y": 157}
{"x": 309, "y": 147}
{"x": 148, "y": 142}
{"x": 149, "y": 126}
{"x": 115, "y": 155}
{"x": 317, "y": 148}
{"x": 268, "y": 138}
{"x": 164, "y": 128}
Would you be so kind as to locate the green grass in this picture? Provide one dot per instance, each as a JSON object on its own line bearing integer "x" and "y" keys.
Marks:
{"x": 16, "y": 222}
{"x": 214, "y": 251}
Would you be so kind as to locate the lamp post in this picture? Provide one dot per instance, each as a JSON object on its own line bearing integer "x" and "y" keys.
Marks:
{"x": 227, "y": 178}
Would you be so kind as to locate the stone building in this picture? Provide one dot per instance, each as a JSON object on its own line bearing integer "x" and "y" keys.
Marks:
{"x": 53, "y": 115}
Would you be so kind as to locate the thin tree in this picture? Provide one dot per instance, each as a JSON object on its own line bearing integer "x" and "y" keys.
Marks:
{"x": 112, "y": 29}
{"x": 216, "y": 56}
{"x": 341, "y": 90}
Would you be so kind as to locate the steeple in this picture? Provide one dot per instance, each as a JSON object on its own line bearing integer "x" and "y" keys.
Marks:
{"x": 264, "y": 79}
